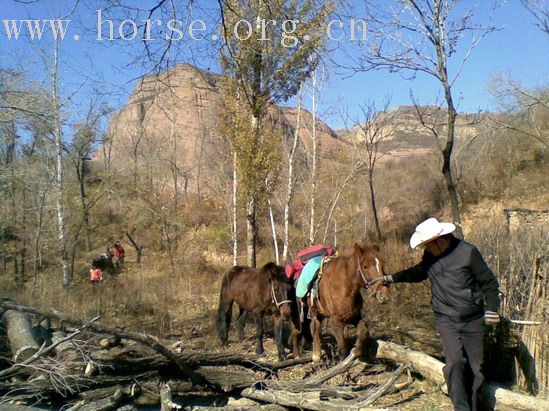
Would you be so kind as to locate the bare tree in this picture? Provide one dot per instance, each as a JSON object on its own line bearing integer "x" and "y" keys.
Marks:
{"x": 374, "y": 127}
{"x": 356, "y": 169}
{"x": 84, "y": 141}
{"x": 540, "y": 10}
{"x": 262, "y": 74}
{"x": 528, "y": 109}
{"x": 422, "y": 36}
{"x": 59, "y": 178}
{"x": 291, "y": 177}
{"x": 316, "y": 87}
{"x": 23, "y": 106}
{"x": 234, "y": 210}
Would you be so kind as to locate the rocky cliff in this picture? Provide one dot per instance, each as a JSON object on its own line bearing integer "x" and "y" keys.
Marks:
{"x": 168, "y": 129}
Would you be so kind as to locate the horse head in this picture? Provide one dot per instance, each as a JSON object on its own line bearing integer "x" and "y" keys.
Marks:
{"x": 282, "y": 290}
{"x": 370, "y": 271}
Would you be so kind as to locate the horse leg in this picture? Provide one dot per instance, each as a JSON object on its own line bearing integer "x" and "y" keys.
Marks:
{"x": 297, "y": 327}
{"x": 337, "y": 329}
{"x": 315, "y": 330}
{"x": 241, "y": 323}
{"x": 259, "y": 335}
{"x": 362, "y": 336}
{"x": 294, "y": 337}
{"x": 278, "y": 322}
{"x": 224, "y": 314}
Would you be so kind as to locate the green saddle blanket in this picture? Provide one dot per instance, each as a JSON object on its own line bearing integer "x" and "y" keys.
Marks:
{"x": 308, "y": 273}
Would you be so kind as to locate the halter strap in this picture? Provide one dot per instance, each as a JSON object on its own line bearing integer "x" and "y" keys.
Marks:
{"x": 368, "y": 284}
{"x": 275, "y": 301}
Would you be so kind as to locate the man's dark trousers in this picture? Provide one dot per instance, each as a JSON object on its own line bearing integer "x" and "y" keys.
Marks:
{"x": 462, "y": 343}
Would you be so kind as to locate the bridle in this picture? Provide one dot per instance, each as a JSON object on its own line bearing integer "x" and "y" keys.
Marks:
{"x": 275, "y": 301}
{"x": 368, "y": 284}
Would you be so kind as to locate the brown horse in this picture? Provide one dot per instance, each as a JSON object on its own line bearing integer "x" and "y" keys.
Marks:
{"x": 262, "y": 292}
{"x": 340, "y": 298}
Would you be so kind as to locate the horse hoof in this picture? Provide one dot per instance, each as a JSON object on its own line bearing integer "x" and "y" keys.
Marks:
{"x": 316, "y": 359}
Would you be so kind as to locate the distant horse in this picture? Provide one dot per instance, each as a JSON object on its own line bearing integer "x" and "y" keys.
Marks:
{"x": 261, "y": 291}
{"x": 340, "y": 298}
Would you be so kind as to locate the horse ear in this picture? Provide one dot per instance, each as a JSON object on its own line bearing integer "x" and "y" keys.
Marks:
{"x": 271, "y": 269}
{"x": 358, "y": 249}
{"x": 376, "y": 246}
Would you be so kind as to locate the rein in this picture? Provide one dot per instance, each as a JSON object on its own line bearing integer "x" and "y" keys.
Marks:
{"x": 275, "y": 301}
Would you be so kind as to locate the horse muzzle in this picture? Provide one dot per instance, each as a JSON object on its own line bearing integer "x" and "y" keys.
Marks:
{"x": 382, "y": 294}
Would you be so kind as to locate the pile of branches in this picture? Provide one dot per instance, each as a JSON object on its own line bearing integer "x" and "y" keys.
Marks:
{"x": 88, "y": 366}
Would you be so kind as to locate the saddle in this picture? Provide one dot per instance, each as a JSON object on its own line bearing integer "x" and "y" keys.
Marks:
{"x": 306, "y": 272}
{"x": 294, "y": 270}
{"x": 312, "y": 293}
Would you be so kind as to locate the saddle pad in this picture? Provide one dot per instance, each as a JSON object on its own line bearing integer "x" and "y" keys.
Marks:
{"x": 313, "y": 251}
{"x": 309, "y": 271}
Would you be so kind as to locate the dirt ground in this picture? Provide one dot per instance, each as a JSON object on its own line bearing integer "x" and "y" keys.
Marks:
{"x": 416, "y": 393}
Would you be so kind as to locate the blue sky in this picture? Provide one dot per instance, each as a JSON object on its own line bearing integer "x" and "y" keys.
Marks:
{"x": 518, "y": 49}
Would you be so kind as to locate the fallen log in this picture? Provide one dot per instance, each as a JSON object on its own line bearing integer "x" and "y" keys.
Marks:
{"x": 41, "y": 352}
{"x": 229, "y": 380}
{"x": 306, "y": 401}
{"x": 345, "y": 365}
{"x": 138, "y": 357}
{"x": 314, "y": 382}
{"x": 144, "y": 338}
{"x": 65, "y": 348}
{"x": 370, "y": 399}
{"x": 43, "y": 389}
{"x": 431, "y": 369}
{"x": 150, "y": 394}
{"x": 424, "y": 364}
{"x": 166, "y": 402}
{"x": 110, "y": 403}
{"x": 20, "y": 335}
{"x": 256, "y": 406}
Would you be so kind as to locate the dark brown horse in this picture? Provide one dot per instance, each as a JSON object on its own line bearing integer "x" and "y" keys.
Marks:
{"x": 340, "y": 298}
{"x": 263, "y": 291}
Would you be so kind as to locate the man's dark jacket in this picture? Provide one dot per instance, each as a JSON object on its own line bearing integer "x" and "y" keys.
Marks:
{"x": 460, "y": 281}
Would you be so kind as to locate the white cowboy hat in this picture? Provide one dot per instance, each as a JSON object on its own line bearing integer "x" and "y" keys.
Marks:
{"x": 429, "y": 230}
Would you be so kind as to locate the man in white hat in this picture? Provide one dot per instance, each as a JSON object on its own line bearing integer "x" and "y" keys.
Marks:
{"x": 465, "y": 295}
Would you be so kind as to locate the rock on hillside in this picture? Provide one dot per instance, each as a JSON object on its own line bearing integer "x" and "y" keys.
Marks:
{"x": 168, "y": 127}
{"x": 405, "y": 133}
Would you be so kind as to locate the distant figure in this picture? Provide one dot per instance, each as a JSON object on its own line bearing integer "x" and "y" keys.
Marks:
{"x": 119, "y": 253}
{"x": 99, "y": 265}
{"x": 96, "y": 274}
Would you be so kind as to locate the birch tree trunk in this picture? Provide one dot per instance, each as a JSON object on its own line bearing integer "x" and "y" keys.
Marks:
{"x": 59, "y": 176}
{"x": 251, "y": 231}
{"x": 273, "y": 232}
{"x": 290, "y": 186}
{"x": 235, "y": 211}
{"x": 312, "y": 221}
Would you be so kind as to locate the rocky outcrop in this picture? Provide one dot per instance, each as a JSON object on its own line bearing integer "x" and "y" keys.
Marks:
{"x": 169, "y": 127}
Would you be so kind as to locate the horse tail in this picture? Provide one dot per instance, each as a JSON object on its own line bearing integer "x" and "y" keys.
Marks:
{"x": 225, "y": 310}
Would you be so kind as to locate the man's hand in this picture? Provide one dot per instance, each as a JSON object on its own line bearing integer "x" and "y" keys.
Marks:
{"x": 386, "y": 279}
{"x": 491, "y": 317}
